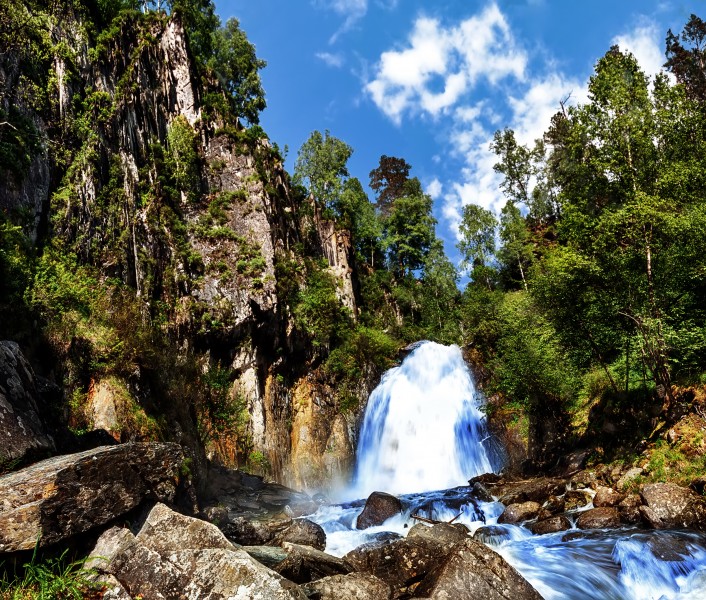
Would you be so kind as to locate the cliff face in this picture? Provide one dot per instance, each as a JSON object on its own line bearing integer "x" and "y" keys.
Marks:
{"x": 140, "y": 178}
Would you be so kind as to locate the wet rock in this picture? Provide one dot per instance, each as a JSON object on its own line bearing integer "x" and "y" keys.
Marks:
{"x": 535, "y": 490}
{"x": 485, "y": 478}
{"x": 379, "y": 507}
{"x": 472, "y": 570}
{"x": 23, "y": 435}
{"x": 551, "y": 525}
{"x": 599, "y": 518}
{"x": 574, "y": 499}
{"x": 63, "y": 496}
{"x": 481, "y": 492}
{"x": 491, "y": 534}
{"x": 153, "y": 566}
{"x": 583, "y": 479}
{"x": 304, "y": 564}
{"x": 670, "y": 548}
{"x": 606, "y": 496}
{"x": 356, "y": 586}
{"x": 445, "y": 533}
{"x": 401, "y": 564}
{"x": 516, "y": 513}
{"x": 303, "y": 532}
{"x": 629, "y": 509}
{"x": 555, "y": 504}
{"x": 667, "y": 505}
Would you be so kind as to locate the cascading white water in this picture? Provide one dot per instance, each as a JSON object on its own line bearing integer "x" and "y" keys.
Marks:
{"x": 423, "y": 431}
{"x": 423, "y": 428}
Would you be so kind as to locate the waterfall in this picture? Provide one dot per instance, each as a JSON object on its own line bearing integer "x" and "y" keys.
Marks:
{"x": 423, "y": 428}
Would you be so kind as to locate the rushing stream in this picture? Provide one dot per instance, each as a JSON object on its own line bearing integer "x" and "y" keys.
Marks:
{"x": 424, "y": 436}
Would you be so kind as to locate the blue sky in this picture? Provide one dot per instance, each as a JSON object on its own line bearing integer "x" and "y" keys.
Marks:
{"x": 432, "y": 81}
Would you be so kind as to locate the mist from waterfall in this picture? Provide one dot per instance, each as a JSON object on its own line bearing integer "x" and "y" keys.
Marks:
{"x": 423, "y": 427}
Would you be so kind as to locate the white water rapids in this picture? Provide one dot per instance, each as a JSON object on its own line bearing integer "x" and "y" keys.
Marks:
{"x": 424, "y": 436}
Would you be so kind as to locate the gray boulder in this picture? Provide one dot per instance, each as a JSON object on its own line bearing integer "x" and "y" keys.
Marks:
{"x": 66, "y": 495}
{"x": 197, "y": 562}
{"x": 403, "y": 563}
{"x": 472, "y": 570}
{"x": 23, "y": 435}
{"x": 356, "y": 586}
{"x": 667, "y": 505}
{"x": 379, "y": 507}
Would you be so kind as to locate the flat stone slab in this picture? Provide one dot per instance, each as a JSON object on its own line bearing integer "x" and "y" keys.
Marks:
{"x": 66, "y": 495}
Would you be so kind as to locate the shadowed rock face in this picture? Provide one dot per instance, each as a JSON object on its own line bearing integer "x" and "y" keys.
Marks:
{"x": 67, "y": 495}
{"x": 22, "y": 433}
{"x": 378, "y": 508}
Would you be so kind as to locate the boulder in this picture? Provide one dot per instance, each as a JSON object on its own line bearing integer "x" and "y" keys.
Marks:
{"x": 379, "y": 507}
{"x": 356, "y": 586}
{"x": 23, "y": 435}
{"x": 515, "y": 513}
{"x": 401, "y": 564}
{"x": 492, "y": 534}
{"x": 304, "y": 564}
{"x": 574, "y": 499}
{"x": 154, "y": 566}
{"x": 535, "y": 490}
{"x": 599, "y": 518}
{"x": 629, "y": 509}
{"x": 444, "y": 533}
{"x": 252, "y": 532}
{"x": 472, "y": 570}
{"x": 551, "y": 525}
{"x": 555, "y": 504}
{"x": 66, "y": 495}
{"x": 303, "y": 532}
{"x": 481, "y": 492}
{"x": 667, "y": 506}
{"x": 606, "y": 496}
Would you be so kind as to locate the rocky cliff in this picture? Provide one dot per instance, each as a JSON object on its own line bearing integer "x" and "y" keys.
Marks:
{"x": 136, "y": 173}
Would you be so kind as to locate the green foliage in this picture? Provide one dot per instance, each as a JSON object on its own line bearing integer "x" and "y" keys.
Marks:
{"x": 52, "y": 578}
{"x": 321, "y": 166}
{"x": 183, "y": 160}
{"x": 235, "y": 63}
{"x": 477, "y": 243}
{"x": 318, "y": 311}
{"x": 19, "y": 142}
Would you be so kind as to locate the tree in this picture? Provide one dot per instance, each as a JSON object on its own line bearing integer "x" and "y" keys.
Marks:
{"x": 439, "y": 297}
{"x": 686, "y": 57}
{"x": 358, "y": 214}
{"x": 321, "y": 168}
{"x": 477, "y": 243}
{"x": 388, "y": 180}
{"x": 409, "y": 229}
{"x": 516, "y": 251}
{"x": 237, "y": 67}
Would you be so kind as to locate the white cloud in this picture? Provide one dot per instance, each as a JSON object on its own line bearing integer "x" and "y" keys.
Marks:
{"x": 351, "y": 10}
{"x": 332, "y": 60}
{"x": 434, "y": 188}
{"x": 645, "y": 42}
{"x": 451, "y": 59}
